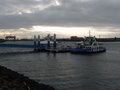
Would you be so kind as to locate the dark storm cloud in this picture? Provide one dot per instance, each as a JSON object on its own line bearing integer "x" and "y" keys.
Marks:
{"x": 96, "y": 13}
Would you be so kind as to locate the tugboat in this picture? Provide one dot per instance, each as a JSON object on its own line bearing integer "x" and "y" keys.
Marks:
{"x": 88, "y": 45}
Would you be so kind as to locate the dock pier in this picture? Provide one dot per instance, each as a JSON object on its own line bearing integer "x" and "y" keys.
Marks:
{"x": 50, "y": 46}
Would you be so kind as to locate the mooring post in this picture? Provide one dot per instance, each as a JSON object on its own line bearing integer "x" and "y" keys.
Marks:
{"x": 48, "y": 38}
{"x": 54, "y": 41}
{"x": 35, "y": 43}
{"x": 39, "y": 42}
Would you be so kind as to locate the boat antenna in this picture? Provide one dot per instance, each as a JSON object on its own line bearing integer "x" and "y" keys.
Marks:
{"x": 89, "y": 33}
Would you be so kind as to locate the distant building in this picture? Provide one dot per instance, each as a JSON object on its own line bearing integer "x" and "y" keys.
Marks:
{"x": 10, "y": 37}
{"x": 75, "y": 38}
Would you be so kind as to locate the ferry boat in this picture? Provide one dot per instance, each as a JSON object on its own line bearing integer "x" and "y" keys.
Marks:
{"x": 88, "y": 45}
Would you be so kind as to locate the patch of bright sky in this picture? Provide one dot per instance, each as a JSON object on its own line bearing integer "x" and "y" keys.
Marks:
{"x": 68, "y": 31}
{"x": 75, "y": 31}
{"x": 62, "y": 32}
{"x": 57, "y": 3}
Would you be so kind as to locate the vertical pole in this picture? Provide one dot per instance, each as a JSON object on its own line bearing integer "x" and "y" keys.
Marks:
{"x": 39, "y": 42}
{"x": 48, "y": 38}
{"x": 35, "y": 40}
{"x": 54, "y": 41}
{"x": 89, "y": 33}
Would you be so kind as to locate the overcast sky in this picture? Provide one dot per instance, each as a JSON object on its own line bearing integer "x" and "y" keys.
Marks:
{"x": 60, "y": 16}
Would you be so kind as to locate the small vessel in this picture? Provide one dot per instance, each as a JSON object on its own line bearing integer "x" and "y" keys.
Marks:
{"x": 88, "y": 45}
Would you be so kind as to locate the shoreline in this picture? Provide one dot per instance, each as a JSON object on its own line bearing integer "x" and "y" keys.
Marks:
{"x": 11, "y": 80}
{"x": 67, "y": 40}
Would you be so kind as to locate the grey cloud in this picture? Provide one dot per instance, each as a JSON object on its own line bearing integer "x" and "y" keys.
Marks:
{"x": 8, "y": 7}
{"x": 96, "y": 13}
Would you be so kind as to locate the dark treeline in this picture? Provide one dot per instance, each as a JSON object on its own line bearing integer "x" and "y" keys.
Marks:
{"x": 115, "y": 39}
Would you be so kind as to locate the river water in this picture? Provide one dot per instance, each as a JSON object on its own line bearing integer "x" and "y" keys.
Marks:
{"x": 66, "y": 71}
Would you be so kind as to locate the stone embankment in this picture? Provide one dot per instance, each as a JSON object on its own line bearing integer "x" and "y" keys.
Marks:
{"x": 11, "y": 80}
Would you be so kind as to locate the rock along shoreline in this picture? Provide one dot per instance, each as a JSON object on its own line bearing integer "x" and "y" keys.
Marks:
{"x": 11, "y": 80}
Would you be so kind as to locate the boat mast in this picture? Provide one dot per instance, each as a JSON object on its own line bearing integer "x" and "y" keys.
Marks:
{"x": 89, "y": 33}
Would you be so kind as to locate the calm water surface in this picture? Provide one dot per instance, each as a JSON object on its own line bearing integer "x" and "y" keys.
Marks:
{"x": 66, "y": 71}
